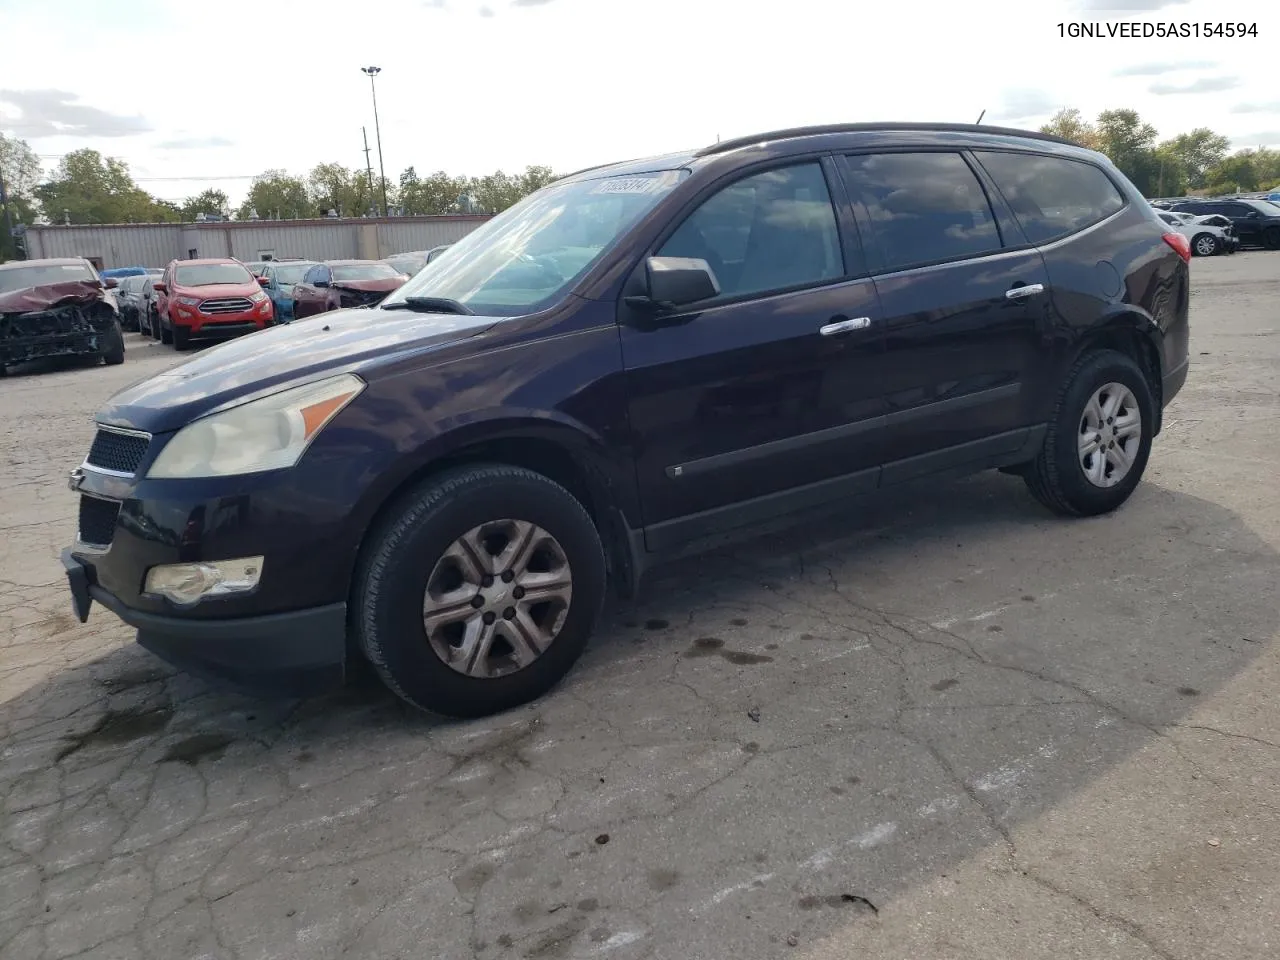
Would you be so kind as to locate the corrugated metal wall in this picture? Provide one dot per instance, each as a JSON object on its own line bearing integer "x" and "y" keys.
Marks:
{"x": 124, "y": 245}
{"x": 401, "y": 236}
{"x": 155, "y": 244}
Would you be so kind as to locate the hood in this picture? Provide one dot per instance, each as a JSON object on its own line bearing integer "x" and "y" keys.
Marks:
{"x": 384, "y": 285}
{"x": 211, "y": 290}
{"x": 337, "y": 342}
{"x": 31, "y": 299}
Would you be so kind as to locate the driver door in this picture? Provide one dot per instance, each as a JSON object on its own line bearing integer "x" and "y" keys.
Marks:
{"x": 767, "y": 397}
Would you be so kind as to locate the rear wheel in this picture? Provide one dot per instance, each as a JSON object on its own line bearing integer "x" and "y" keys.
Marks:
{"x": 1099, "y": 439}
{"x": 1205, "y": 244}
{"x": 479, "y": 591}
{"x": 112, "y": 348}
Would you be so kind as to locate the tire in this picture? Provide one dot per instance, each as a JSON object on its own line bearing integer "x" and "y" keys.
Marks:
{"x": 112, "y": 351}
{"x": 1271, "y": 238}
{"x": 407, "y": 553}
{"x": 1205, "y": 245}
{"x": 1057, "y": 476}
{"x": 181, "y": 338}
{"x": 166, "y": 331}
{"x": 157, "y": 331}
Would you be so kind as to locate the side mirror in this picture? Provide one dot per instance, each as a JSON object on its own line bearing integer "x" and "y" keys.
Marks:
{"x": 678, "y": 281}
{"x": 110, "y": 283}
{"x": 161, "y": 287}
{"x": 264, "y": 281}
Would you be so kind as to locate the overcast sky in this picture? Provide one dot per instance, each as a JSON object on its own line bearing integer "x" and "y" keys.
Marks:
{"x": 187, "y": 90}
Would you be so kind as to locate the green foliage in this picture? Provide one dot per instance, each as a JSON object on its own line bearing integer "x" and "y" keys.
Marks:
{"x": 1198, "y": 161}
{"x": 210, "y": 201}
{"x": 275, "y": 195}
{"x": 89, "y": 188}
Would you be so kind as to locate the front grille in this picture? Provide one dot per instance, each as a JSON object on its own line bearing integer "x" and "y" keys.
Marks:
{"x": 226, "y": 305}
{"x": 97, "y": 521}
{"x": 120, "y": 452}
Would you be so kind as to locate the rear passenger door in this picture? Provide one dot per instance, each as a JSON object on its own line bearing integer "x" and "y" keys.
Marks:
{"x": 966, "y": 310}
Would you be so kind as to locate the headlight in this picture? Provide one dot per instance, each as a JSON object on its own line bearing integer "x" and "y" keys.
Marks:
{"x": 265, "y": 434}
{"x": 189, "y": 301}
{"x": 257, "y": 297}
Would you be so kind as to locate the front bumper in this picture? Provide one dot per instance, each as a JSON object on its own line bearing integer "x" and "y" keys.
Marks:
{"x": 200, "y": 324}
{"x": 298, "y": 653}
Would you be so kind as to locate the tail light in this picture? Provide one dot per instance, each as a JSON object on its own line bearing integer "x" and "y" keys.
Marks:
{"x": 1181, "y": 245}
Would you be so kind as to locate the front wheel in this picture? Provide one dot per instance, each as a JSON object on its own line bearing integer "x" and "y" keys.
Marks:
{"x": 181, "y": 338}
{"x": 1205, "y": 244}
{"x": 1272, "y": 238}
{"x": 112, "y": 349}
{"x": 479, "y": 591}
{"x": 1099, "y": 439}
{"x": 166, "y": 331}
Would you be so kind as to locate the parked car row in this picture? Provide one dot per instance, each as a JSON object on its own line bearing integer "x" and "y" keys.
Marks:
{"x": 1208, "y": 236}
{"x": 1255, "y": 221}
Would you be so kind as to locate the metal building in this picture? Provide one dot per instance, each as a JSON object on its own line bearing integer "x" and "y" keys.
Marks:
{"x": 155, "y": 244}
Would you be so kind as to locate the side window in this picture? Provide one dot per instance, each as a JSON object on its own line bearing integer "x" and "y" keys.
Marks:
{"x": 311, "y": 275}
{"x": 1052, "y": 196}
{"x": 324, "y": 274}
{"x": 1234, "y": 209}
{"x": 770, "y": 231}
{"x": 1170, "y": 219}
{"x": 923, "y": 207}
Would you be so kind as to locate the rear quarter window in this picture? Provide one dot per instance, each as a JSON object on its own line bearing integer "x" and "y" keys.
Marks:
{"x": 1052, "y": 197}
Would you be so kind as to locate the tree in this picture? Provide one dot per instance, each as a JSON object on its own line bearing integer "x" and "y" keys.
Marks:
{"x": 20, "y": 172}
{"x": 1070, "y": 125}
{"x": 207, "y": 202}
{"x": 275, "y": 195}
{"x": 1236, "y": 173}
{"x": 1130, "y": 143}
{"x": 90, "y": 189}
{"x": 436, "y": 194}
{"x": 1196, "y": 152}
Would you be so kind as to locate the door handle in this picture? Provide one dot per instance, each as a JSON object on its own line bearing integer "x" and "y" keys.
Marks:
{"x": 845, "y": 326}
{"x": 1026, "y": 290}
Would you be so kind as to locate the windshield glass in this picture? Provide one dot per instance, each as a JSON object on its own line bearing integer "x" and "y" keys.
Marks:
{"x": 42, "y": 274}
{"x": 407, "y": 265}
{"x": 204, "y": 274}
{"x": 363, "y": 271}
{"x": 289, "y": 274}
{"x": 525, "y": 258}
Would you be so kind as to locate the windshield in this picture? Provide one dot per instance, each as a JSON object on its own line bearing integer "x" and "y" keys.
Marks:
{"x": 407, "y": 265}
{"x": 42, "y": 274}
{"x": 205, "y": 274}
{"x": 527, "y": 257}
{"x": 363, "y": 271}
{"x": 289, "y": 274}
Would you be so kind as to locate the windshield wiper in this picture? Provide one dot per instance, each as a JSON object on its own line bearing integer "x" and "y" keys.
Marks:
{"x": 431, "y": 305}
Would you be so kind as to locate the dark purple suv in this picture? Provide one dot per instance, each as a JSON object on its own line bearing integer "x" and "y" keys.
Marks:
{"x": 629, "y": 360}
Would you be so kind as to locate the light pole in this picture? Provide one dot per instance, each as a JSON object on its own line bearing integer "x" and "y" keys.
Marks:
{"x": 373, "y": 72}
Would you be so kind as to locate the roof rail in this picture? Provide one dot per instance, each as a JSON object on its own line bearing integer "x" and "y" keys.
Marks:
{"x": 791, "y": 132}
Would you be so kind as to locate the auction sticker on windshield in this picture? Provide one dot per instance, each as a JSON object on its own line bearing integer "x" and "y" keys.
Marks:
{"x": 636, "y": 184}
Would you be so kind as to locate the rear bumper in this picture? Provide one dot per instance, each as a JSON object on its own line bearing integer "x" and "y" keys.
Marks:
{"x": 1174, "y": 379}
{"x": 298, "y": 653}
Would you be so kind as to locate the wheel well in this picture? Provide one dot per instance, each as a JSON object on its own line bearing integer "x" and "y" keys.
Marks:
{"x": 555, "y": 463}
{"x": 1141, "y": 350}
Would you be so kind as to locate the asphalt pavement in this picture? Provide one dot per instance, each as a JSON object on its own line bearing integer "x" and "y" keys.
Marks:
{"x": 945, "y": 725}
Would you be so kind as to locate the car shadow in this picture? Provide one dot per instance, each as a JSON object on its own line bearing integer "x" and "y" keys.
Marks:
{"x": 845, "y": 706}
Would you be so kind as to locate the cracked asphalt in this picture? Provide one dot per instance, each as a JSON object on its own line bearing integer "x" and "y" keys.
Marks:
{"x": 946, "y": 725}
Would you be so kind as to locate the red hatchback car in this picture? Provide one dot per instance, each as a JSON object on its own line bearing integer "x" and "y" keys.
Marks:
{"x": 337, "y": 284}
{"x": 210, "y": 298}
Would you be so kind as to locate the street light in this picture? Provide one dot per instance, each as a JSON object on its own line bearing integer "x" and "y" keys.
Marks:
{"x": 373, "y": 72}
